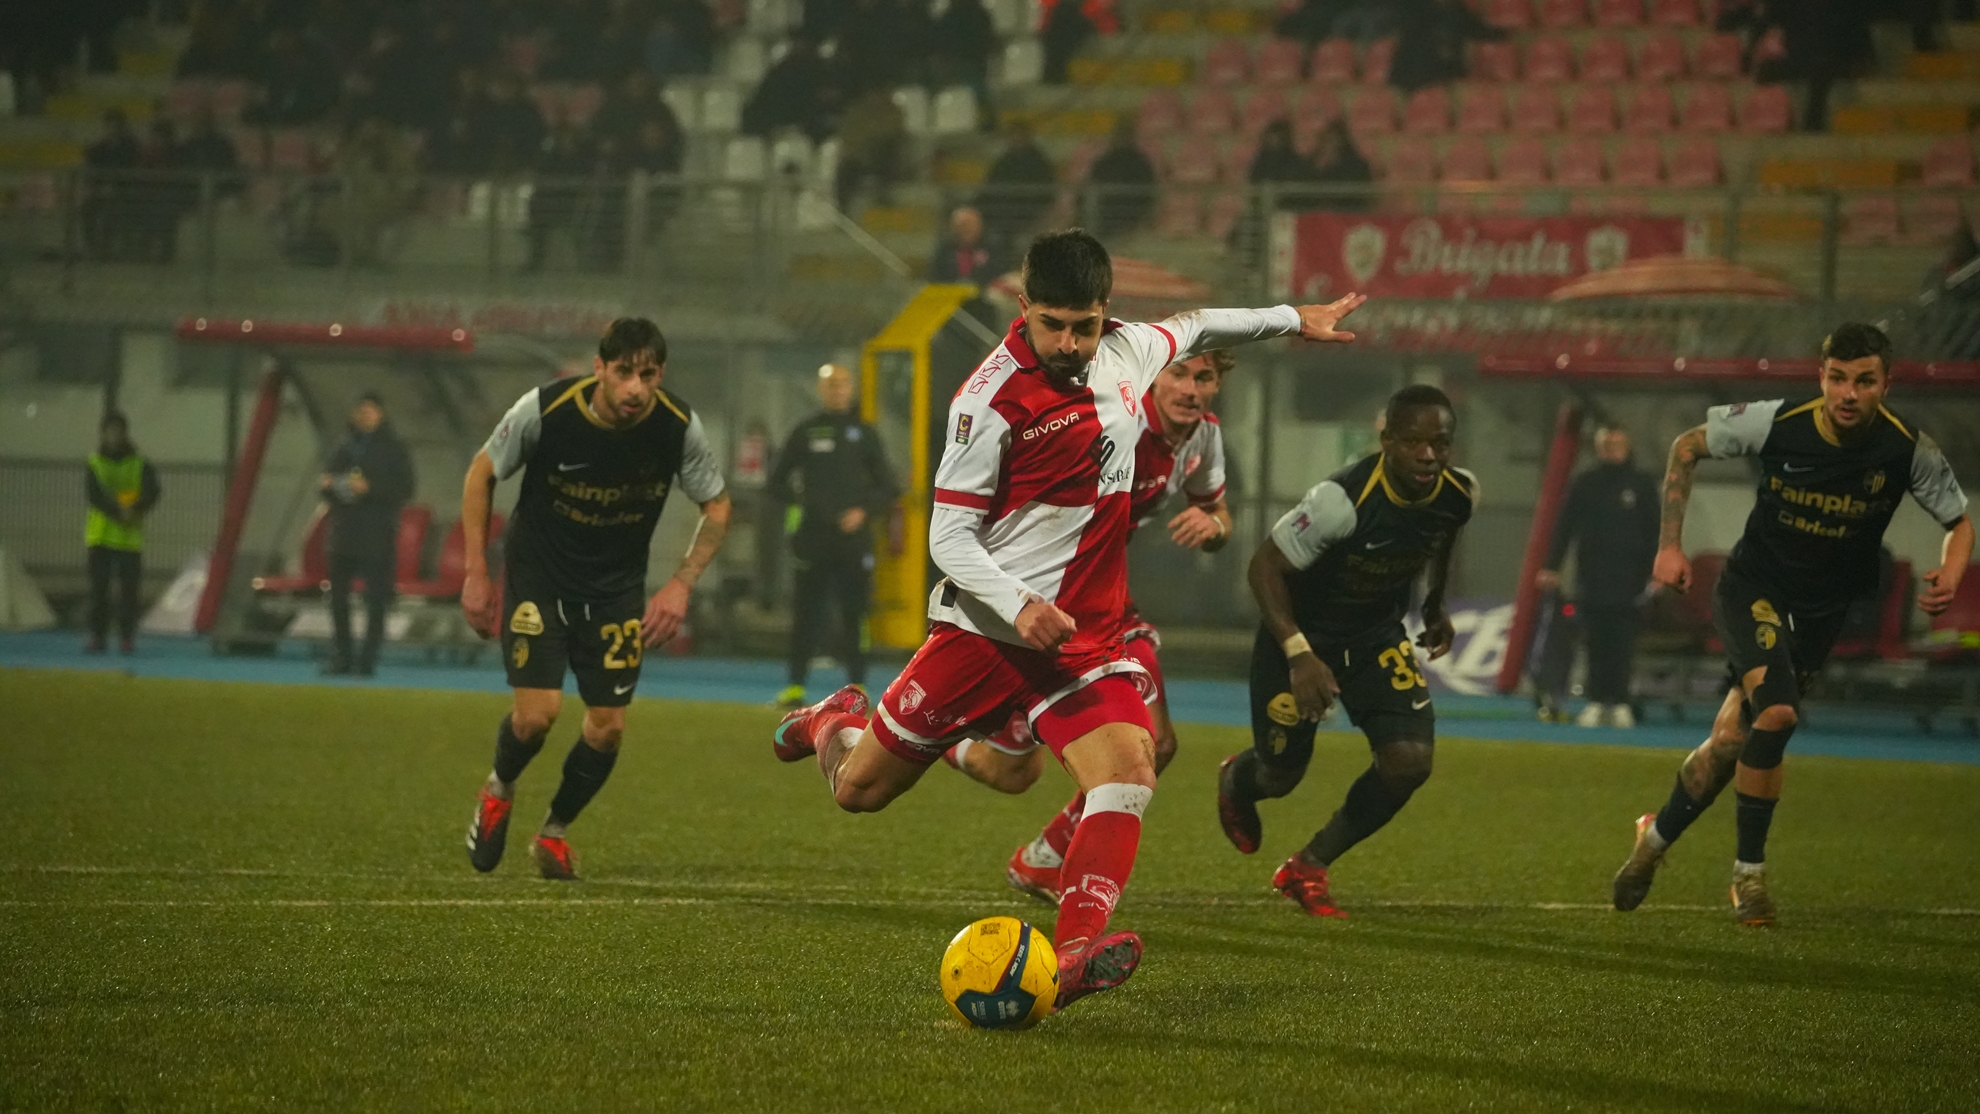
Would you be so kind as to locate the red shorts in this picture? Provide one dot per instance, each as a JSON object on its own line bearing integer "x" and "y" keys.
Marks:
{"x": 1143, "y": 640}
{"x": 961, "y": 685}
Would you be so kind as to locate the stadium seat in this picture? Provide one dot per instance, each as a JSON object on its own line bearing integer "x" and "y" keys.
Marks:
{"x": 315, "y": 571}
{"x": 744, "y": 159}
{"x": 1179, "y": 213}
{"x": 1080, "y": 162}
{"x": 1160, "y": 115}
{"x": 1549, "y": 58}
{"x": 1263, "y": 107}
{"x": 1373, "y": 112}
{"x": 1512, "y": 15}
{"x": 1225, "y": 210}
{"x": 1869, "y": 219}
{"x": 1523, "y": 162}
{"x": 1428, "y": 111}
{"x": 1955, "y": 632}
{"x": 1279, "y": 62}
{"x": 1638, "y": 162}
{"x": 1375, "y": 61}
{"x": 1675, "y": 13}
{"x": 450, "y": 566}
{"x": 1332, "y": 63}
{"x": 1211, "y": 112}
{"x": 1494, "y": 62}
{"x": 228, "y": 99}
{"x": 291, "y": 149}
{"x": 1314, "y": 107}
{"x": 1481, "y": 110}
{"x": 1661, "y": 58}
{"x": 1719, "y": 57}
{"x": 1708, "y": 108}
{"x": 1227, "y": 63}
{"x": 1594, "y": 111}
{"x": 1932, "y": 218}
{"x": 1695, "y": 163}
{"x": 1650, "y": 111}
{"x": 1563, "y": 13}
{"x": 1772, "y": 47}
{"x": 1410, "y": 162}
{"x": 721, "y": 109}
{"x": 791, "y": 156}
{"x": 1580, "y": 162}
{"x": 1234, "y": 165}
{"x": 955, "y": 111}
{"x": 1024, "y": 62}
{"x": 1605, "y": 58}
{"x": 1767, "y": 109}
{"x": 582, "y": 102}
{"x": 1948, "y": 163}
{"x": 1536, "y": 109}
{"x": 1193, "y": 161}
{"x": 1467, "y": 159}
{"x": 1618, "y": 13}
{"x": 912, "y": 100}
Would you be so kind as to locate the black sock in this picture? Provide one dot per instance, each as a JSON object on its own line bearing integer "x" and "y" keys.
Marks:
{"x": 1756, "y": 815}
{"x": 585, "y": 771}
{"x": 1244, "y": 778}
{"x": 512, "y": 754}
{"x": 1678, "y": 812}
{"x": 1370, "y": 804}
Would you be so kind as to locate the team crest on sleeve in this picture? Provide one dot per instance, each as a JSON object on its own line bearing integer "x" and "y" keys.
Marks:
{"x": 1301, "y": 523}
{"x": 1128, "y": 400}
{"x": 1763, "y": 612}
{"x": 963, "y": 423}
{"x": 1190, "y": 466}
{"x": 911, "y": 697}
{"x": 1735, "y": 410}
{"x": 526, "y": 619}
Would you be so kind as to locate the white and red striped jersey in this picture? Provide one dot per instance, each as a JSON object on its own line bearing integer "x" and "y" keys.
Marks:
{"x": 1033, "y": 498}
{"x": 1195, "y": 467}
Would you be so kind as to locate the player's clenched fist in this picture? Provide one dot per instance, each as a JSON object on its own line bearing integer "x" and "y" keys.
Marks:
{"x": 478, "y": 604}
{"x": 1314, "y": 688}
{"x": 1321, "y": 322}
{"x": 1043, "y": 626}
{"x": 665, "y": 612}
{"x": 1673, "y": 568}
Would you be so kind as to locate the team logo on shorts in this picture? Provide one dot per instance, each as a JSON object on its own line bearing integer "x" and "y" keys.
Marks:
{"x": 526, "y": 619}
{"x": 1766, "y": 635}
{"x": 1283, "y": 710}
{"x": 520, "y": 655}
{"x": 1275, "y": 739}
{"x": 1874, "y": 482}
{"x": 911, "y": 697}
{"x": 962, "y": 429}
{"x": 1763, "y": 612}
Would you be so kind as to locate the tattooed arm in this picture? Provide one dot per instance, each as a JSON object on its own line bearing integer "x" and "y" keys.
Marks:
{"x": 1672, "y": 567}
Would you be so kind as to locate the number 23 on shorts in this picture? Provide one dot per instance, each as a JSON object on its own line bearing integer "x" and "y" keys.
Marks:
{"x": 625, "y": 637}
{"x": 1401, "y": 662}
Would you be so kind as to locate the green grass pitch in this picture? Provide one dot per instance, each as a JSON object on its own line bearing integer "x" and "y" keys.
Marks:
{"x": 236, "y": 896}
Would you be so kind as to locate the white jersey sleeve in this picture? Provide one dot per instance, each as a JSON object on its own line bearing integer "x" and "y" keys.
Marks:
{"x": 1323, "y": 518}
{"x": 1202, "y": 330}
{"x": 1934, "y": 485}
{"x": 1205, "y": 483}
{"x": 515, "y": 436}
{"x": 700, "y": 477}
{"x": 1739, "y": 429}
{"x": 965, "y": 482}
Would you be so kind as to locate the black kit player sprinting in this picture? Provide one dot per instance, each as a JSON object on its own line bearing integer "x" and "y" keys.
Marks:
{"x": 1833, "y": 470}
{"x": 1333, "y": 583}
{"x": 599, "y": 456}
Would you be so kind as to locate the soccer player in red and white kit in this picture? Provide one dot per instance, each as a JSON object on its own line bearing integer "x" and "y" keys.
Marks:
{"x": 1181, "y": 449}
{"x": 1030, "y": 523}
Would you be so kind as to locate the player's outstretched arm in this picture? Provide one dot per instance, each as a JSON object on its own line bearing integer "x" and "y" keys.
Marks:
{"x": 1206, "y": 528}
{"x": 1942, "y": 583}
{"x": 1322, "y": 322}
{"x": 1313, "y": 684}
{"x": 477, "y": 594}
{"x": 669, "y": 606}
{"x": 1438, "y": 631}
{"x": 1673, "y": 568}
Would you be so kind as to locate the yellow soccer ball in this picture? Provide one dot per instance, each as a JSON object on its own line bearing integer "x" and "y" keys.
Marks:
{"x": 1000, "y": 973}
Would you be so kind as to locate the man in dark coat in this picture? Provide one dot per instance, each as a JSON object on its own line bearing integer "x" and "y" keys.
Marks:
{"x": 368, "y": 478}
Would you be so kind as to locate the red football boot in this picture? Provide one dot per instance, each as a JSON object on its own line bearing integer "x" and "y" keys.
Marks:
{"x": 793, "y": 740}
{"x": 1102, "y": 964}
{"x": 1041, "y": 882}
{"x": 1306, "y": 884}
{"x": 1239, "y": 819}
{"x": 488, "y": 832}
{"x": 554, "y": 858}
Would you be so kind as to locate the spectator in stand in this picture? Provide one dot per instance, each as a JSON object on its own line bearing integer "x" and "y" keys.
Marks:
{"x": 572, "y": 39}
{"x": 627, "y": 110}
{"x": 107, "y": 187}
{"x": 1951, "y": 298}
{"x": 158, "y": 196}
{"x": 962, "y": 40}
{"x": 1016, "y": 192}
{"x": 560, "y": 189}
{"x": 880, "y": 43}
{"x": 122, "y": 487}
{"x": 621, "y": 44}
{"x": 1340, "y": 164}
{"x": 368, "y": 478}
{"x": 396, "y": 81}
{"x": 964, "y": 256}
{"x": 1827, "y": 41}
{"x": 1067, "y": 29}
{"x": 220, "y": 42}
{"x": 504, "y": 130}
{"x": 299, "y": 83}
{"x": 377, "y": 184}
{"x": 1430, "y": 47}
{"x": 801, "y": 91}
{"x": 659, "y": 152}
{"x": 1125, "y": 181}
{"x": 871, "y": 136}
{"x": 1312, "y": 20}
{"x": 681, "y": 40}
{"x": 207, "y": 149}
{"x": 1278, "y": 164}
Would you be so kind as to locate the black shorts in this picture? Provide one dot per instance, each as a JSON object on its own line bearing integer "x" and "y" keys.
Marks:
{"x": 600, "y": 642}
{"x": 1758, "y": 631}
{"x": 1382, "y": 688}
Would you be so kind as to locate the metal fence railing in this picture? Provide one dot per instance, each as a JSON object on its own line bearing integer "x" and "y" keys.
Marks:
{"x": 42, "y": 505}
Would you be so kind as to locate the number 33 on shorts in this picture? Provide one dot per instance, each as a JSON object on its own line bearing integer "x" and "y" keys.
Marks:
{"x": 1401, "y": 663}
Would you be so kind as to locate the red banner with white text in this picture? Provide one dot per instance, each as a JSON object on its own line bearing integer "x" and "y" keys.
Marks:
{"x": 1320, "y": 256}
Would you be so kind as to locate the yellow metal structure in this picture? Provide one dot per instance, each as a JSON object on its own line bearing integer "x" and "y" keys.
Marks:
{"x": 894, "y": 400}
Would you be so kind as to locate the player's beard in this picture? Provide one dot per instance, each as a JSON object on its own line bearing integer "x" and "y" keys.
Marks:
{"x": 1066, "y": 371}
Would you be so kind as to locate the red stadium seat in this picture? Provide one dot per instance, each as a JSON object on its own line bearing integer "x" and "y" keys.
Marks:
{"x": 1265, "y": 106}
{"x": 1211, "y": 112}
{"x": 1235, "y": 163}
{"x": 1708, "y": 109}
{"x": 414, "y": 520}
{"x": 1594, "y": 111}
{"x": 1332, "y": 62}
{"x": 450, "y": 567}
{"x": 1719, "y": 58}
{"x": 1482, "y": 110}
{"x": 1513, "y": 15}
{"x": 1467, "y": 159}
{"x": 1280, "y": 62}
{"x": 1661, "y": 58}
{"x": 1767, "y": 109}
{"x": 1870, "y": 219}
{"x": 1194, "y": 160}
{"x": 582, "y": 102}
{"x": 1536, "y": 109}
{"x": 1080, "y": 163}
{"x": 1180, "y": 213}
{"x": 1549, "y": 58}
{"x": 1580, "y": 162}
{"x": 1523, "y": 162}
{"x": 1161, "y": 114}
{"x": 1675, "y": 13}
{"x": 1949, "y": 163}
{"x": 1955, "y": 632}
{"x": 1373, "y": 112}
{"x": 1314, "y": 107}
{"x": 1563, "y": 13}
{"x": 1695, "y": 163}
{"x": 1428, "y": 111}
{"x": 1605, "y": 59}
{"x": 1638, "y": 162}
{"x": 1650, "y": 111}
{"x": 1226, "y": 209}
{"x": 1494, "y": 62}
{"x": 1410, "y": 162}
{"x": 1932, "y": 219}
{"x": 1618, "y": 13}
{"x": 1375, "y": 61}
{"x": 1227, "y": 63}
{"x": 315, "y": 573}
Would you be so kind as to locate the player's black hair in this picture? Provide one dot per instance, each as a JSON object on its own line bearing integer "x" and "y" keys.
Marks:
{"x": 629, "y": 335}
{"x": 1854, "y": 341}
{"x": 1414, "y": 397}
{"x": 1069, "y": 269}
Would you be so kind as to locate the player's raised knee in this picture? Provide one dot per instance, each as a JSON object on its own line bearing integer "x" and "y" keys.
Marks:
{"x": 1777, "y": 717}
{"x": 1406, "y": 764}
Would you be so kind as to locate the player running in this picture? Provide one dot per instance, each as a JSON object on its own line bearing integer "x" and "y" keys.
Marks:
{"x": 1181, "y": 449}
{"x": 1832, "y": 472}
{"x": 1030, "y": 523}
{"x": 599, "y": 456}
{"x": 1333, "y": 583}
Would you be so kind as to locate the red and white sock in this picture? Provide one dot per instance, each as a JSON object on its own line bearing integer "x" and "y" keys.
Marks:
{"x": 833, "y": 735}
{"x": 1098, "y": 862}
{"x": 1049, "y": 849}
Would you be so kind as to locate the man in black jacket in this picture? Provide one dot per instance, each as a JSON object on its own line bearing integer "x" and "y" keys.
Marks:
{"x": 367, "y": 480}
{"x": 833, "y": 474}
{"x": 1612, "y": 513}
